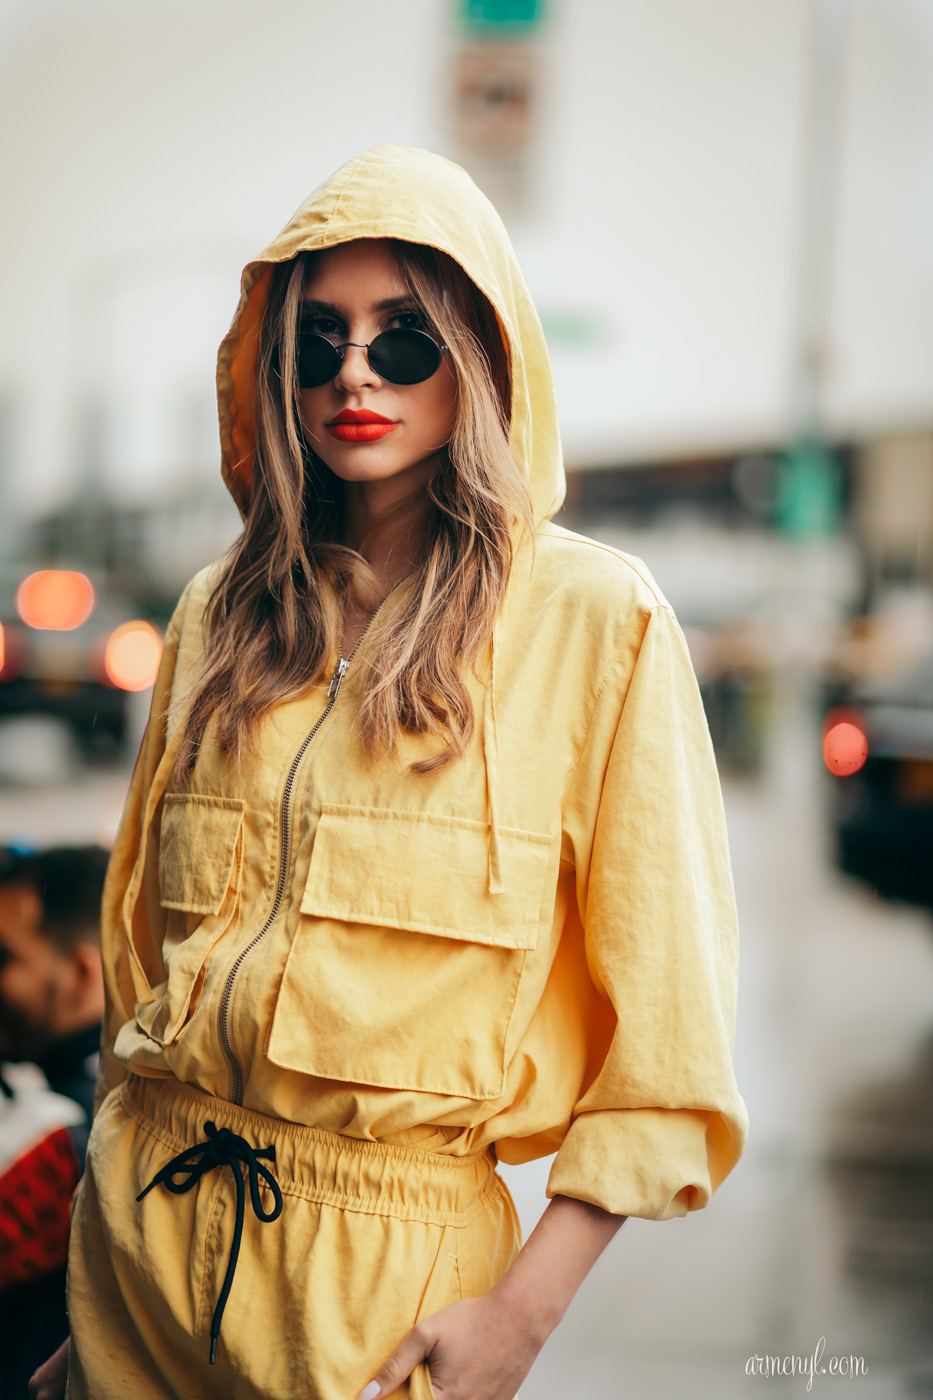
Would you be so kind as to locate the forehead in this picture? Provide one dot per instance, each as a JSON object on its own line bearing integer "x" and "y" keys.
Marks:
{"x": 363, "y": 270}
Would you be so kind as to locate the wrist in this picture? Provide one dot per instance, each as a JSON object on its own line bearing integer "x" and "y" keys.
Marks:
{"x": 535, "y": 1309}
{"x": 540, "y": 1283}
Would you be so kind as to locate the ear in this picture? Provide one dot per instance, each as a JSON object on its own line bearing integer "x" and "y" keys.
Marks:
{"x": 87, "y": 978}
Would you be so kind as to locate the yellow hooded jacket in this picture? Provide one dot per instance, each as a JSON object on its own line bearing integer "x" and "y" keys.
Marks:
{"x": 534, "y": 947}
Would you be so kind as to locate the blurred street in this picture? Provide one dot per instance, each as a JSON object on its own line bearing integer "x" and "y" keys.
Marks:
{"x": 724, "y": 215}
{"x": 826, "y": 1227}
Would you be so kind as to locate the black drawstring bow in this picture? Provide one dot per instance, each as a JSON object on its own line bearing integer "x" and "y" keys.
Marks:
{"x": 223, "y": 1148}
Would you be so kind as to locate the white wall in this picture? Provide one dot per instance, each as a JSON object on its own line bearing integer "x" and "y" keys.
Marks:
{"x": 882, "y": 305}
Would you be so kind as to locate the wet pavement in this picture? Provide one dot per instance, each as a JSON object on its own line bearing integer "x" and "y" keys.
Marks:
{"x": 825, "y": 1230}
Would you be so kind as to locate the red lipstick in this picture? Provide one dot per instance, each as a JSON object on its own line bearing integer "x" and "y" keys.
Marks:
{"x": 359, "y": 425}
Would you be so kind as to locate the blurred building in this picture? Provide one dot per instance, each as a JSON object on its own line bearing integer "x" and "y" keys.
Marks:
{"x": 724, "y": 212}
{"x": 667, "y": 154}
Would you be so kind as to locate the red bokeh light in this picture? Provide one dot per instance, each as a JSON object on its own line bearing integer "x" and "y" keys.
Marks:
{"x": 12, "y": 652}
{"x": 132, "y": 655}
{"x": 845, "y": 748}
{"x": 55, "y": 600}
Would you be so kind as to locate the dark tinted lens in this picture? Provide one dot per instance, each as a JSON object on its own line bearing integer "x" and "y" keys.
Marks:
{"x": 404, "y": 357}
{"x": 318, "y": 361}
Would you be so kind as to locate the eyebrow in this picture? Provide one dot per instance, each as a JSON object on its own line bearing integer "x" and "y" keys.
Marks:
{"x": 390, "y": 304}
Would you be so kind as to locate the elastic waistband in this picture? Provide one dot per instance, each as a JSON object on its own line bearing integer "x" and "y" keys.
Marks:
{"x": 371, "y": 1177}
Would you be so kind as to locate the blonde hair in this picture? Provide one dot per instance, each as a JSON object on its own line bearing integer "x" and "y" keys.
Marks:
{"x": 273, "y": 620}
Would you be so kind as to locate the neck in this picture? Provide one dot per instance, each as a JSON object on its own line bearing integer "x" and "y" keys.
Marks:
{"x": 386, "y": 522}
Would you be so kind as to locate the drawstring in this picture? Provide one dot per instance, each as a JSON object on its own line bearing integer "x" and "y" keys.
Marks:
{"x": 223, "y": 1148}
{"x": 494, "y": 881}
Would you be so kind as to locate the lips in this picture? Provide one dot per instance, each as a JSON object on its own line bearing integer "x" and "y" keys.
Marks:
{"x": 359, "y": 425}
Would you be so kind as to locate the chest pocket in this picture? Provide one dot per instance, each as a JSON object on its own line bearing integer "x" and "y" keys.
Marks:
{"x": 405, "y": 971}
{"x": 200, "y": 868}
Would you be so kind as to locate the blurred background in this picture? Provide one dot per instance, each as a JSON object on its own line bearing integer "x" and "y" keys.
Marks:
{"x": 724, "y": 211}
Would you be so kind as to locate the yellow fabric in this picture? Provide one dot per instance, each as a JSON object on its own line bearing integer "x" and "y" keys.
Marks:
{"x": 371, "y": 1239}
{"x": 588, "y": 1007}
{"x": 400, "y": 994}
{"x": 533, "y": 949}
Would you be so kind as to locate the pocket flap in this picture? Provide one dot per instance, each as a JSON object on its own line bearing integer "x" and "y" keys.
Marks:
{"x": 425, "y": 873}
{"x": 196, "y": 851}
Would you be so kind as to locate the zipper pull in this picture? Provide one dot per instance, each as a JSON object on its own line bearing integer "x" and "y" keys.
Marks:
{"x": 340, "y": 670}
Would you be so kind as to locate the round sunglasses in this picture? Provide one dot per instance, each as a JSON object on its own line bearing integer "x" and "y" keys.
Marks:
{"x": 401, "y": 356}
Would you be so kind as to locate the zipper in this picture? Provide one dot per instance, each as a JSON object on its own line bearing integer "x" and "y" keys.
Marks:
{"x": 333, "y": 690}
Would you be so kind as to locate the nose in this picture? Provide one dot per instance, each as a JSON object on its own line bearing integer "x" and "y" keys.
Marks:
{"x": 355, "y": 372}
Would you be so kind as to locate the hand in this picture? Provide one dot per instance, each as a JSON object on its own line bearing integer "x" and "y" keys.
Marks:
{"x": 48, "y": 1383}
{"x": 477, "y": 1349}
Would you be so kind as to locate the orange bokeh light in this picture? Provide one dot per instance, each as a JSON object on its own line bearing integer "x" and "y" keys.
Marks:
{"x": 845, "y": 749}
{"x": 2, "y": 647}
{"x": 132, "y": 655}
{"x": 55, "y": 600}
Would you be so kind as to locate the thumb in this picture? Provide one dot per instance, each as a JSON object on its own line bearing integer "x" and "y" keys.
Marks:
{"x": 410, "y": 1352}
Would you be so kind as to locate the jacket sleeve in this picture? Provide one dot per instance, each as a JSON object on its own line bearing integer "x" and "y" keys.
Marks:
{"x": 151, "y": 764}
{"x": 659, "y": 1121}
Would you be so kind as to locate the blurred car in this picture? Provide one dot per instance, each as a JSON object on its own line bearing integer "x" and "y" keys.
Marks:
{"x": 879, "y": 748}
{"x": 72, "y": 647}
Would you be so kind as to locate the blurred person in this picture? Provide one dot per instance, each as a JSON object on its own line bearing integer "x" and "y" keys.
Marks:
{"x": 423, "y": 863}
{"x": 51, "y": 1005}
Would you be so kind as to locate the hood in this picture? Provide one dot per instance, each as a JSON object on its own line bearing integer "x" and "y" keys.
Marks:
{"x": 406, "y": 193}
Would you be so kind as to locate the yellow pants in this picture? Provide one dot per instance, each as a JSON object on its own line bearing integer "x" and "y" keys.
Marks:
{"x": 370, "y": 1239}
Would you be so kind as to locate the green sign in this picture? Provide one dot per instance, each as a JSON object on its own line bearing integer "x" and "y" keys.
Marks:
{"x": 575, "y": 328}
{"x": 481, "y": 16}
{"x": 810, "y": 491}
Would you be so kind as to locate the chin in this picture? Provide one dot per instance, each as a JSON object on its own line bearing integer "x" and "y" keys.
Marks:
{"x": 365, "y": 466}
{"x": 365, "y": 471}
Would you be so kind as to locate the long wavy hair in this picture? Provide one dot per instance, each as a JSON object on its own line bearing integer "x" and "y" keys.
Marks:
{"x": 273, "y": 620}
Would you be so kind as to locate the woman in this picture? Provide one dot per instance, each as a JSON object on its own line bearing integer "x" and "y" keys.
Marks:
{"x": 423, "y": 862}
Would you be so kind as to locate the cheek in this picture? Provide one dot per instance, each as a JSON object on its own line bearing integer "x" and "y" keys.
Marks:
{"x": 22, "y": 985}
{"x": 311, "y": 409}
{"x": 441, "y": 404}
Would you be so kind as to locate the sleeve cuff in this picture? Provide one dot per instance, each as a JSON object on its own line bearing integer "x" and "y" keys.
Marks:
{"x": 649, "y": 1162}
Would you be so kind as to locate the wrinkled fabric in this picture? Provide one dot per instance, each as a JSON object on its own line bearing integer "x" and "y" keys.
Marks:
{"x": 371, "y": 1239}
{"x": 533, "y": 949}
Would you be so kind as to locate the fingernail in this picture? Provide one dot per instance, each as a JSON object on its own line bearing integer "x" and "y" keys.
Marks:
{"x": 371, "y": 1391}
